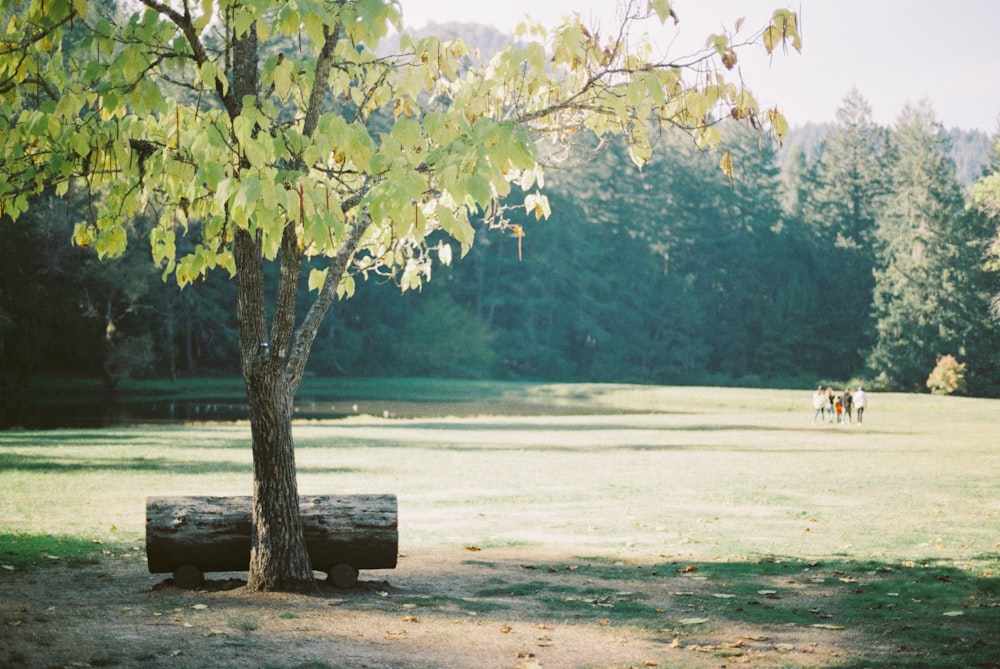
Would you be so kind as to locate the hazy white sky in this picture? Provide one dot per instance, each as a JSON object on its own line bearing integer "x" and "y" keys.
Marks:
{"x": 892, "y": 51}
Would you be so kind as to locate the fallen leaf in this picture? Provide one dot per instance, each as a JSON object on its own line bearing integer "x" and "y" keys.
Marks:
{"x": 703, "y": 649}
{"x": 8, "y": 567}
{"x": 693, "y": 621}
{"x": 687, "y": 570}
{"x": 200, "y": 607}
{"x": 827, "y": 626}
{"x": 544, "y": 626}
{"x": 213, "y": 632}
{"x": 505, "y": 629}
{"x": 603, "y": 622}
{"x": 474, "y": 549}
{"x": 650, "y": 663}
{"x": 784, "y": 646}
{"x": 411, "y": 619}
{"x": 953, "y": 614}
{"x": 13, "y": 623}
{"x": 722, "y": 595}
{"x": 395, "y": 634}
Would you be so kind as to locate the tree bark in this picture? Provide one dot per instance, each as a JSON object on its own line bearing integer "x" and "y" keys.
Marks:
{"x": 278, "y": 556}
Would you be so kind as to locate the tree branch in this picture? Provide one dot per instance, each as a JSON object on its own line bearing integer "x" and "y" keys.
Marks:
{"x": 306, "y": 333}
{"x": 324, "y": 62}
{"x": 185, "y": 23}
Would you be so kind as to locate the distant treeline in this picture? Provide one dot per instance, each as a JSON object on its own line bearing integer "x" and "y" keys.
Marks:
{"x": 849, "y": 253}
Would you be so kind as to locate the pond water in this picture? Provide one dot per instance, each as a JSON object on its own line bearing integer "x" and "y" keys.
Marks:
{"x": 83, "y": 414}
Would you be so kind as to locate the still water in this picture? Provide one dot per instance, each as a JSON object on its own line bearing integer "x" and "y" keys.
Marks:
{"x": 82, "y": 414}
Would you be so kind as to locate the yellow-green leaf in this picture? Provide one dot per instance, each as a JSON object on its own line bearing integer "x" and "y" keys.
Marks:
{"x": 727, "y": 166}
{"x": 317, "y": 278}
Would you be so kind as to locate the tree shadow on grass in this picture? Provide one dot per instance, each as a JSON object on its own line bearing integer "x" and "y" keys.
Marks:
{"x": 864, "y": 613}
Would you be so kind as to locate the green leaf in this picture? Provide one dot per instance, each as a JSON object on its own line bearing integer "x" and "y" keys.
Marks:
{"x": 478, "y": 188}
{"x": 662, "y": 9}
{"x": 345, "y": 289}
{"x": 317, "y": 278}
{"x": 283, "y": 78}
{"x": 407, "y": 132}
{"x": 245, "y": 200}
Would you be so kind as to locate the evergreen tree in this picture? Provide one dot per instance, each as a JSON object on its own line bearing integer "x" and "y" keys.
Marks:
{"x": 839, "y": 209}
{"x": 931, "y": 293}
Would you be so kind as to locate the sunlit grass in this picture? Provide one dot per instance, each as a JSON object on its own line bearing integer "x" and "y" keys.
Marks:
{"x": 635, "y": 471}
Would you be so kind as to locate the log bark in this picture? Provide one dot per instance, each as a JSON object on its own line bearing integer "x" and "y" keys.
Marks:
{"x": 214, "y": 533}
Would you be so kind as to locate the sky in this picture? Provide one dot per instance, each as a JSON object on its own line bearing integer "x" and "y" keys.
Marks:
{"x": 893, "y": 51}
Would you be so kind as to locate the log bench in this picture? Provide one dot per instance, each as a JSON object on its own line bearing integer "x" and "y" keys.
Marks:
{"x": 189, "y": 536}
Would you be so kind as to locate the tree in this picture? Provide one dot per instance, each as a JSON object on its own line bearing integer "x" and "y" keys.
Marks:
{"x": 931, "y": 291}
{"x": 986, "y": 198}
{"x": 840, "y": 210}
{"x": 947, "y": 377}
{"x": 294, "y": 144}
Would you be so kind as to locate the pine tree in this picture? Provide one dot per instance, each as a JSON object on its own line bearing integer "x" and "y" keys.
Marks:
{"x": 840, "y": 210}
{"x": 932, "y": 293}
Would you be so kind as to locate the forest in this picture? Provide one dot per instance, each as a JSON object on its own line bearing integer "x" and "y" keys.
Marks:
{"x": 851, "y": 253}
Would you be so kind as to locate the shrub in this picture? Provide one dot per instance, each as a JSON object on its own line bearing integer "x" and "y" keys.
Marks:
{"x": 948, "y": 376}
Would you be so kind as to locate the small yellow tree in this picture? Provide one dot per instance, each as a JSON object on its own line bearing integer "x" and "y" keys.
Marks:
{"x": 948, "y": 376}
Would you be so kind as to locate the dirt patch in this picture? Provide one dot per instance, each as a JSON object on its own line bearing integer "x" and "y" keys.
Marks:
{"x": 439, "y": 608}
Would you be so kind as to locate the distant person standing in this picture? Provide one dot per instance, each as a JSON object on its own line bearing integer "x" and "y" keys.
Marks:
{"x": 860, "y": 403}
{"x": 830, "y": 397}
{"x": 847, "y": 400}
{"x": 819, "y": 404}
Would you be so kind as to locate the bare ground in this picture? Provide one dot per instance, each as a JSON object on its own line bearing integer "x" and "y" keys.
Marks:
{"x": 453, "y": 607}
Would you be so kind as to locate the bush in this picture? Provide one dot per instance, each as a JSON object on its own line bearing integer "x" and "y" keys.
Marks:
{"x": 948, "y": 376}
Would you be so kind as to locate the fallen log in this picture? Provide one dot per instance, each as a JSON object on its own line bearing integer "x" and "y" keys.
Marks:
{"x": 192, "y": 535}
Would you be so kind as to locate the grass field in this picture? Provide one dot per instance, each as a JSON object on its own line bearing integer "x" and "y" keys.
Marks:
{"x": 736, "y": 484}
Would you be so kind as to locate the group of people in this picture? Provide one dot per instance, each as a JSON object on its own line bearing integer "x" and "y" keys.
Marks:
{"x": 828, "y": 406}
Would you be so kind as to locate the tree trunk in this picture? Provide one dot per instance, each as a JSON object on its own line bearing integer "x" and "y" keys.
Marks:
{"x": 278, "y": 556}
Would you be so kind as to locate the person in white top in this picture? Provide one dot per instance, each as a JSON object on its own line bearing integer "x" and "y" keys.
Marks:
{"x": 819, "y": 404}
{"x": 860, "y": 402}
